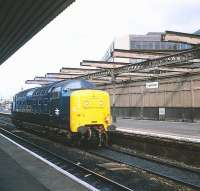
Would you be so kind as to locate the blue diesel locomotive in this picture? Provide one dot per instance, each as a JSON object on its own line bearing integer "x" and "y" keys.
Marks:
{"x": 73, "y": 108}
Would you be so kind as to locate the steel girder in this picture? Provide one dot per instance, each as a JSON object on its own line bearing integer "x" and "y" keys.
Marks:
{"x": 164, "y": 61}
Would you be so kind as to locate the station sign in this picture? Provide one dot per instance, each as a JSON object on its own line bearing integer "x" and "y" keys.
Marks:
{"x": 151, "y": 85}
{"x": 161, "y": 111}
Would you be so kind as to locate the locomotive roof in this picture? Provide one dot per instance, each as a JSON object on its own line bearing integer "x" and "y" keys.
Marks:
{"x": 75, "y": 84}
{"x": 66, "y": 84}
{"x": 24, "y": 92}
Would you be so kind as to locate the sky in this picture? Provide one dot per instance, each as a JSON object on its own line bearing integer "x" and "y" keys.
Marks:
{"x": 86, "y": 29}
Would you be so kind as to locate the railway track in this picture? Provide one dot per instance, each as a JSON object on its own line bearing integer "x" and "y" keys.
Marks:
{"x": 180, "y": 176}
{"x": 178, "y": 152}
{"x": 125, "y": 178}
{"x": 97, "y": 180}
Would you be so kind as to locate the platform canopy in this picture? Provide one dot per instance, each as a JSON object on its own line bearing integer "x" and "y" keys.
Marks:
{"x": 152, "y": 64}
{"x": 20, "y": 20}
{"x": 176, "y": 64}
{"x": 188, "y": 38}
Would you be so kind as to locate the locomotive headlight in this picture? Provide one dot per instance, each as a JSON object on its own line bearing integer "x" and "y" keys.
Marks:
{"x": 100, "y": 103}
{"x": 86, "y": 103}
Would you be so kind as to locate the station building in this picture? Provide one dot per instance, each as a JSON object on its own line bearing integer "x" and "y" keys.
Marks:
{"x": 174, "y": 98}
{"x": 150, "y": 41}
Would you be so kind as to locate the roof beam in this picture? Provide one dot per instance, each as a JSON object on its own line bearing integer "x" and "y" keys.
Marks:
{"x": 173, "y": 36}
{"x": 188, "y": 64}
{"x": 98, "y": 81}
{"x": 172, "y": 69}
{"x": 136, "y": 74}
{"x": 61, "y": 75}
{"x": 39, "y": 82}
{"x": 40, "y": 78}
{"x": 102, "y": 64}
{"x": 167, "y": 74}
{"x": 180, "y": 70}
{"x": 78, "y": 70}
{"x": 139, "y": 54}
{"x": 46, "y": 80}
{"x": 108, "y": 78}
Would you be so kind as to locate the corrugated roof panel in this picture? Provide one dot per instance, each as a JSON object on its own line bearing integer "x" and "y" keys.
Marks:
{"x": 20, "y": 20}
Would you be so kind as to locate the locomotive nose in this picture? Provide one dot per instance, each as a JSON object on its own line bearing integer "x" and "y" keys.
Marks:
{"x": 92, "y": 108}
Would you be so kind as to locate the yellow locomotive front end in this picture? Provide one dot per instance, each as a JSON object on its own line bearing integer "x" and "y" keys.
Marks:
{"x": 90, "y": 114}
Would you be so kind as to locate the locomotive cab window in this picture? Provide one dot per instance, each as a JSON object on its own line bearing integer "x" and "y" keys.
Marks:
{"x": 56, "y": 93}
{"x": 66, "y": 91}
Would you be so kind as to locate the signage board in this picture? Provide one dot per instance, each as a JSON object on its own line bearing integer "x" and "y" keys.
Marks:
{"x": 161, "y": 111}
{"x": 151, "y": 85}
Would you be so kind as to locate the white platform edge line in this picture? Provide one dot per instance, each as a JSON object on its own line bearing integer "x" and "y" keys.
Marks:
{"x": 160, "y": 135}
{"x": 71, "y": 176}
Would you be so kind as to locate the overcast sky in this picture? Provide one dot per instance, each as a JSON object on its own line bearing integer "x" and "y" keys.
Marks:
{"x": 86, "y": 29}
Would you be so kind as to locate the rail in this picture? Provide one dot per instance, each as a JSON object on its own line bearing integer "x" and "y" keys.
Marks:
{"x": 65, "y": 163}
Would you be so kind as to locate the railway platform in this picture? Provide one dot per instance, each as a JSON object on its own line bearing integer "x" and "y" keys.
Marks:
{"x": 183, "y": 131}
{"x": 20, "y": 170}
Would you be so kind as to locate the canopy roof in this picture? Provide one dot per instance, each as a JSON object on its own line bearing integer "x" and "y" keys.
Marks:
{"x": 22, "y": 19}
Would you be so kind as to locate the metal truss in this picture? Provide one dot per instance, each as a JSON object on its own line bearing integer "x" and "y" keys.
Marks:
{"x": 164, "y": 61}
